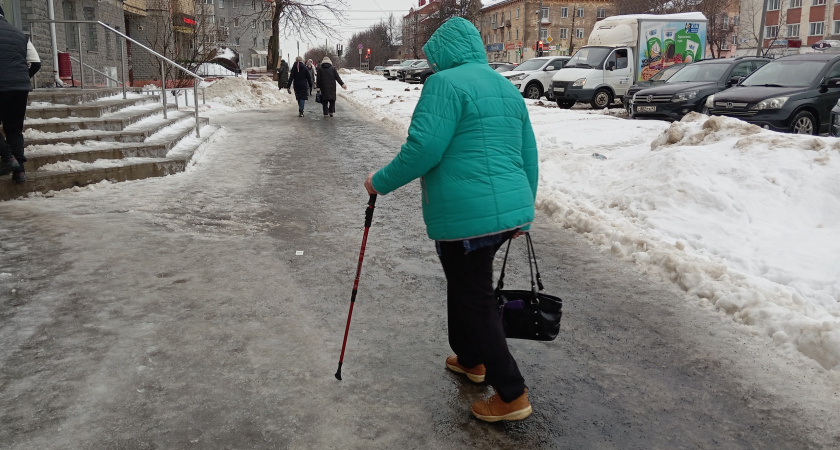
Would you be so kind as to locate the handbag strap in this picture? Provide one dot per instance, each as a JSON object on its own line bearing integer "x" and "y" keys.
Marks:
{"x": 532, "y": 256}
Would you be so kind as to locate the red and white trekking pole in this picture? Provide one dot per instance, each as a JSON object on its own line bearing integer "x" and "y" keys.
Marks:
{"x": 368, "y": 220}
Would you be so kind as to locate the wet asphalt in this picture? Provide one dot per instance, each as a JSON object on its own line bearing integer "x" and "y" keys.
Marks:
{"x": 178, "y": 313}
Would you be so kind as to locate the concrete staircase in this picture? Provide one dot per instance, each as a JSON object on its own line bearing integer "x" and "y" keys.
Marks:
{"x": 78, "y": 137}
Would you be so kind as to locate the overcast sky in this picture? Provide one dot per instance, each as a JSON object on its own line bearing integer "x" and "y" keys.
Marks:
{"x": 360, "y": 15}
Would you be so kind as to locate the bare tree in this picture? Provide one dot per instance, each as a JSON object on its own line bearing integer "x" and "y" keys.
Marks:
{"x": 379, "y": 38}
{"x": 720, "y": 27}
{"x": 302, "y": 18}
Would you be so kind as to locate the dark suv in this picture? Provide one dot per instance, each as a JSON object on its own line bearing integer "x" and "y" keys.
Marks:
{"x": 793, "y": 93}
{"x": 659, "y": 78}
{"x": 687, "y": 90}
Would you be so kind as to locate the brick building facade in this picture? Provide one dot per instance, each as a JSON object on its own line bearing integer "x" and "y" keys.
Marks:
{"x": 511, "y": 29}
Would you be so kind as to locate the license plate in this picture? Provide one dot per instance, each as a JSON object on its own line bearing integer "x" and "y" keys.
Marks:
{"x": 559, "y": 89}
{"x": 645, "y": 109}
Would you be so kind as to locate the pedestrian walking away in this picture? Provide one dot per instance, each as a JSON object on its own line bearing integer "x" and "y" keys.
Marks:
{"x": 326, "y": 79}
{"x": 282, "y": 74}
{"x": 301, "y": 79}
{"x": 311, "y": 66}
{"x": 19, "y": 61}
{"x": 478, "y": 168}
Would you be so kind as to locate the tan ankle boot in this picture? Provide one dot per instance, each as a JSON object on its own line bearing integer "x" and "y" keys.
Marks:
{"x": 475, "y": 374}
{"x": 494, "y": 409}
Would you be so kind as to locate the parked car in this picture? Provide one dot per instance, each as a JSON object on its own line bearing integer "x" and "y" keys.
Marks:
{"x": 688, "y": 89}
{"x": 504, "y": 67}
{"x": 533, "y": 76}
{"x": 660, "y": 77}
{"x": 390, "y": 72}
{"x": 418, "y": 75}
{"x": 418, "y": 64}
{"x": 794, "y": 94}
{"x": 496, "y": 64}
{"x": 834, "y": 128}
{"x": 379, "y": 69}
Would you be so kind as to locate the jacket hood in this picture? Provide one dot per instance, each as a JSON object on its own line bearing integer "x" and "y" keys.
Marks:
{"x": 326, "y": 65}
{"x": 456, "y": 42}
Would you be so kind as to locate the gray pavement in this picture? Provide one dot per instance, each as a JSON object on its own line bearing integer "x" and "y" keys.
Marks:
{"x": 175, "y": 313}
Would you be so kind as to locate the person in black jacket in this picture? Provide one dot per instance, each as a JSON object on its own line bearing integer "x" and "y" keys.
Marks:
{"x": 15, "y": 85}
{"x": 326, "y": 78}
{"x": 311, "y": 66}
{"x": 282, "y": 74}
{"x": 302, "y": 80}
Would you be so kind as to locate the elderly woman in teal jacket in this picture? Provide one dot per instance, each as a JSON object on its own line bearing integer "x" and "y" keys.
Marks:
{"x": 470, "y": 142}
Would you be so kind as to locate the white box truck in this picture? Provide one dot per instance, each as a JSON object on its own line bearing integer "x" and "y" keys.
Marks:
{"x": 625, "y": 49}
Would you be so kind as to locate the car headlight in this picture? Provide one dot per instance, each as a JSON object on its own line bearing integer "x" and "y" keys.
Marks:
{"x": 580, "y": 82}
{"x": 521, "y": 76}
{"x": 683, "y": 96}
{"x": 710, "y": 101}
{"x": 771, "y": 103}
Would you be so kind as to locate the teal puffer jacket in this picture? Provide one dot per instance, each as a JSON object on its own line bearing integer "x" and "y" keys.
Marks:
{"x": 470, "y": 140}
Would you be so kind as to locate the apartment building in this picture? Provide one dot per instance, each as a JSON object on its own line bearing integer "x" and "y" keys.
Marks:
{"x": 512, "y": 29}
{"x": 417, "y": 28}
{"x": 789, "y": 26}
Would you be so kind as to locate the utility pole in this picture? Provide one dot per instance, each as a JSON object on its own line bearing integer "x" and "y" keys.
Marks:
{"x": 759, "y": 46}
{"x": 537, "y": 51}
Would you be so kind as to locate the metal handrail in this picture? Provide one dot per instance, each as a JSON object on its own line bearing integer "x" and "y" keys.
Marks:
{"x": 122, "y": 62}
{"x": 98, "y": 71}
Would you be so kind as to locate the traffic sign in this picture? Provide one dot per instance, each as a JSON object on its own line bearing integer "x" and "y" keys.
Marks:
{"x": 549, "y": 39}
{"x": 361, "y": 46}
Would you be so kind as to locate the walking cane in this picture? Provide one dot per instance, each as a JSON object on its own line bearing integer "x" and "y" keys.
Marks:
{"x": 368, "y": 219}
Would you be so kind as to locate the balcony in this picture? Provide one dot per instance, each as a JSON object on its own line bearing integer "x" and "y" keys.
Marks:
{"x": 507, "y": 23}
{"x": 545, "y": 21}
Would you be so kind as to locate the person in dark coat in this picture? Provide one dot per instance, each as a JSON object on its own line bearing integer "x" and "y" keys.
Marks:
{"x": 302, "y": 81}
{"x": 283, "y": 74}
{"x": 326, "y": 78}
{"x": 16, "y": 53}
{"x": 311, "y": 66}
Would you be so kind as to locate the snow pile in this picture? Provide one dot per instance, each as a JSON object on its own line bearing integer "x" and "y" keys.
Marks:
{"x": 235, "y": 93}
{"x": 744, "y": 219}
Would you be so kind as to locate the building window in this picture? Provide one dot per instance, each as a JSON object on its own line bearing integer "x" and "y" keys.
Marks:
{"x": 579, "y": 12}
{"x": 771, "y": 32}
{"x": 235, "y": 22}
{"x": 793, "y": 31}
{"x": 724, "y": 45}
{"x": 602, "y": 13}
{"x": 543, "y": 34}
{"x": 254, "y": 7}
{"x": 564, "y": 12}
{"x": 517, "y": 13}
{"x": 544, "y": 15}
{"x": 221, "y": 21}
{"x": 817, "y": 2}
{"x": 517, "y": 33}
{"x": 795, "y": 4}
{"x": 510, "y": 33}
{"x": 92, "y": 36}
{"x": 564, "y": 33}
{"x": 837, "y": 27}
{"x": 221, "y": 4}
{"x": 254, "y": 24}
{"x": 71, "y": 30}
{"x": 579, "y": 33}
{"x": 734, "y": 39}
{"x": 773, "y": 5}
{"x": 816, "y": 28}
{"x": 266, "y": 25}
{"x": 236, "y": 41}
{"x": 724, "y": 22}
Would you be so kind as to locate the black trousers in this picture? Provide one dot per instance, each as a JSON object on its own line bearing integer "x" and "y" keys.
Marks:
{"x": 476, "y": 334}
{"x": 328, "y": 105}
{"x": 12, "y": 114}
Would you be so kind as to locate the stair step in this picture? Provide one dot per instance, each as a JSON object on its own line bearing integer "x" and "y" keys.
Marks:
{"x": 115, "y": 170}
{"x": 137, "y": 132}
{"x": 97, "y": 108}
{"x": 89, "y": 151}
{"x": 114, "y": 122}
{"x": 75, "y": 96}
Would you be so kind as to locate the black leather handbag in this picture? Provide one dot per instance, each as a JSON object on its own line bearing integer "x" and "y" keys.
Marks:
{"x": 318, "y": 97}
{"x": 532, "y": 314}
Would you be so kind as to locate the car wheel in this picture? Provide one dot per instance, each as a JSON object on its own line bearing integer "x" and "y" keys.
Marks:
{"x": 533, "y": 91}
{"x": 601, "y": 99}
{"x": 803, "y": 123}
{"x": 565, "y": 104}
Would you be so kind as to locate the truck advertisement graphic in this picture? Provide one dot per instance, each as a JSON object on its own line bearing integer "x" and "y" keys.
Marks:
{"x": 663, "y": 44}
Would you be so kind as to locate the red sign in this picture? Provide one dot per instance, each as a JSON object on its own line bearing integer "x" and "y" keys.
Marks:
{"x": 510, "y": 46}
